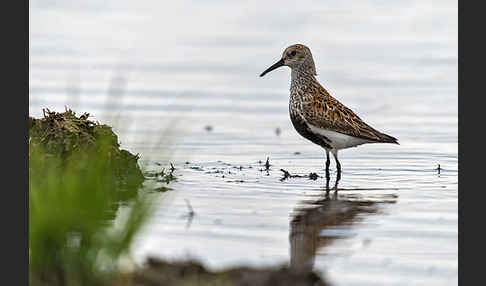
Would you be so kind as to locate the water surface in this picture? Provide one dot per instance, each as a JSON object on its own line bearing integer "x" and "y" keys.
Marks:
{"x": 162, "y": 72}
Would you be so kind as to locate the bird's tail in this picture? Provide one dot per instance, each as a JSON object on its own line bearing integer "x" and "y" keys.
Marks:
{"x": 388, "y": 139}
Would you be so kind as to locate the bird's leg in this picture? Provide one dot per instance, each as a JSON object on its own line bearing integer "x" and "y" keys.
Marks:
{"x": 328, "y": 176}
{"x": 338, "y": 166}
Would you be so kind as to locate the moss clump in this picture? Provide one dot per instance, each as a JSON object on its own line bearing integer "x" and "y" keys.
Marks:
{"x": 63, "y": 135}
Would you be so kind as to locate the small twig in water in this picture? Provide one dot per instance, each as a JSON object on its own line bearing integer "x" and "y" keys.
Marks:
{"x": 267, "y": 164}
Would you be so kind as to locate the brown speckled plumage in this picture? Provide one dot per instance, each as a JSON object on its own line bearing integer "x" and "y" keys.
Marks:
{"x": 308, "y": 99}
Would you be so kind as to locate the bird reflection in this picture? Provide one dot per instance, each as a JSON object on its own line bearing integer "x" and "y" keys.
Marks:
{"x": 310, "y": 218}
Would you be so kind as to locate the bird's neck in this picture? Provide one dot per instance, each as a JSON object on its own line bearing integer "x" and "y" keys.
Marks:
{"x": 300, "y": 79}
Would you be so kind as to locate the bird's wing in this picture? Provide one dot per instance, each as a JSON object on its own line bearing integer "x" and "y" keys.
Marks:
{"x": 321, "y": 110}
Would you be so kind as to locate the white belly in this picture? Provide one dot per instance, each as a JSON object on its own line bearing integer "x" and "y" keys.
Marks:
{"x": 339, "y": 140}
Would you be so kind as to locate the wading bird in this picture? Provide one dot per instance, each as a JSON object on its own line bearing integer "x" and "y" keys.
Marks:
{"x": 318, "y": 116}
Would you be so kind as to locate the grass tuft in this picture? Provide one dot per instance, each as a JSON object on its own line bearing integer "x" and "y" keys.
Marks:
{"x": 78, "y": 177}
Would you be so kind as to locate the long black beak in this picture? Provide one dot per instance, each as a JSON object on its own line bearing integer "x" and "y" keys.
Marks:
{"x": 275, "y": 65}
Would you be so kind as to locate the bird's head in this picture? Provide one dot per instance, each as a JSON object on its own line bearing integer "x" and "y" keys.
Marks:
{"x": 297, "y": 56}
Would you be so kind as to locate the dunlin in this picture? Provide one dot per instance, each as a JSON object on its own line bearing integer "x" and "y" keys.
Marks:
{"x": 318, "y": 116}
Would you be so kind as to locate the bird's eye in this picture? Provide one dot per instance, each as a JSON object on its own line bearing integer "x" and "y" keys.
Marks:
{"x": 292, "y": 53}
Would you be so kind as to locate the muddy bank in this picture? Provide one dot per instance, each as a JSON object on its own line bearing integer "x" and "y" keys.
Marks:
{"x": 159, "y": 272}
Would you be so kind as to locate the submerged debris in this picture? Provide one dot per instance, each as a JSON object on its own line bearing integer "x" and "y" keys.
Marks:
{"x": 167, "y": 177}
{"x": 286, "y": 175}
{"x": 313, "y": 176}
{"x": 162, "y": 189}
{"x": 163, "y": 177}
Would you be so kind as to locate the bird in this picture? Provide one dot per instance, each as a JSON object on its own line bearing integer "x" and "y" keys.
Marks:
{"x": 319, "y": 117}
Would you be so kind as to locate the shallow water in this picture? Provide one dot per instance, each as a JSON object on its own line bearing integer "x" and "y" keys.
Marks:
{"x": 190, "y": 66}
